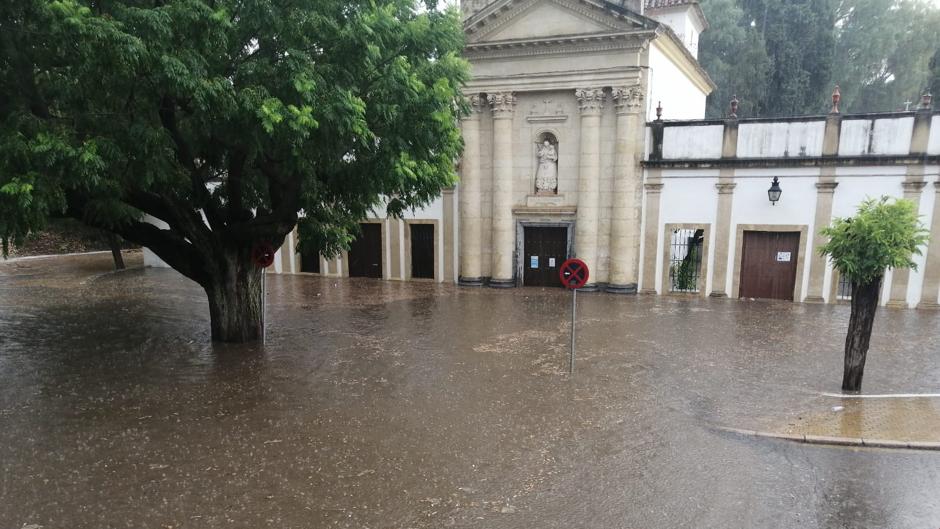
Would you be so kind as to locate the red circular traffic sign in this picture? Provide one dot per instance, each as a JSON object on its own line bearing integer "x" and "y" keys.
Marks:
{"x": 263, "y": 254}
{"x": 574, "y": 273}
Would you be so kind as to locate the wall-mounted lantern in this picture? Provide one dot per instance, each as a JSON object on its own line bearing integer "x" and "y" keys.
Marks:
{"x": 774, "y": 192}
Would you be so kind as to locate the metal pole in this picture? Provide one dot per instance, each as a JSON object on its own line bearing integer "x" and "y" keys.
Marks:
{"x": 264, "y": 301}
{"x": 574, "y": 306}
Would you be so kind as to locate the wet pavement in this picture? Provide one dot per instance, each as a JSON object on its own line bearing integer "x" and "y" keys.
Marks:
{"x": 412, "y": 405}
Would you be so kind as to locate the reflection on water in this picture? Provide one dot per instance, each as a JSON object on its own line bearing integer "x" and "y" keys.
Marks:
{"x": 385, "y": 404}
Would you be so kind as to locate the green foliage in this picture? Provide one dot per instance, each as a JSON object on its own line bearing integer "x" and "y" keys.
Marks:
{"x": 884, "y": 233}
{"x": 782, "y": 57}
{"x": 247, "y": 111}
{"x": 685, "y": 272}
{"x": 934, "y": 81}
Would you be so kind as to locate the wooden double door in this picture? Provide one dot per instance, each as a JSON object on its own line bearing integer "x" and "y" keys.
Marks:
{"x": 768, "y": 264}
{"x": 544, "y": 250}
{"x": 365, "y": 253}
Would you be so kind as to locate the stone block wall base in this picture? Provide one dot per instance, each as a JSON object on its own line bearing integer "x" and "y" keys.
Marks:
{"x": 501, "y": 283}
{"x": 629, "y": 288}
{"x": 896, "y": 304}
{"x": 718, "y": 295}
{"x": 814, "y": 299}
{"x": 648, "y": 291}
{"x": 591, "y": 287}
{"x": 926, "y": 305}
{"x": 470, "y": 281}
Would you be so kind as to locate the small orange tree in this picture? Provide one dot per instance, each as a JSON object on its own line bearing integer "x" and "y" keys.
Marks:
{"x": 884, "y": 233}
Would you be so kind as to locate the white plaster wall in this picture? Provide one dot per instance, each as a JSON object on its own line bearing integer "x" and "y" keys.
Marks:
{"x": 797, "y": 206}
{"x": 684, "y": 24}
{"x": 892, "y": 136}
{"x": 680, "y": 98}
{"x": 794, "y": 139}
{"x": 688, "y": 197}
{"x": 150, "y": 258}
{"x": 692, "y": 142}
{"x": 933, "y": 141}
{"x": 854, "y": 137}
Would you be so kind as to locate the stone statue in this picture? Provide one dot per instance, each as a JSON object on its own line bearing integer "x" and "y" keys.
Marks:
{"x": 546, "y": 177}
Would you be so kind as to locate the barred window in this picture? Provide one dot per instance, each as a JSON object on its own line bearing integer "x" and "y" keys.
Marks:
{"x": 685, "y": 259}
{"x": 844, "y": 290}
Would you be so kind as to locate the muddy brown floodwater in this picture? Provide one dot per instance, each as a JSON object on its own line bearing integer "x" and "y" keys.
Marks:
{"x": 413, "y": 405}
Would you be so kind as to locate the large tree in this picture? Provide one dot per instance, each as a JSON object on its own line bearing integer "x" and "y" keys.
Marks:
{"x": 227, "y": 120}
{"x": 884, "y": 233}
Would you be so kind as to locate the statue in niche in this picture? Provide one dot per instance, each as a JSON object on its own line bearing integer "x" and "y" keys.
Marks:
{"x": 546, "y": 176}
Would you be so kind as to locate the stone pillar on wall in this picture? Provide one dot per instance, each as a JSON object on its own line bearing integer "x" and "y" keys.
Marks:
{"x": 591, "y": 104}
{"x": 901, "y": 276}
{"x": 471, "y": 223}
{"x": 723, "y": 233}
{"x": 654, "y": 188}
{"x": 502, "y": 266}
{"x": 928, "y": 294}
{"x": 825, "y": 189}
{"x": 625, "y": 220}
{"x": 447, "y": 229}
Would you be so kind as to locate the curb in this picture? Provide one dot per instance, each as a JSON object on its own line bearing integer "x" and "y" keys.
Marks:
{"x": 836, "y": 441}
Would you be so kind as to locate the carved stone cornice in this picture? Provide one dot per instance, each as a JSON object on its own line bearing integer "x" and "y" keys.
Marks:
{"x": 556, "y": 46}
{"x": 725, "y": 188}
{"x": 653, "y": 187}
{"x": 501, "y": 103}
{"x": 590, "y": 100}
{"x": 826, "y": 187}
{"x": 627, "y": 100}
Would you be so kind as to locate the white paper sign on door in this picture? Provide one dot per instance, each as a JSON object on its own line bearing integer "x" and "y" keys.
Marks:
{"x": 533, "y": 261}
{"x": 551, "y": 262}
{"x": 783, "y": 257}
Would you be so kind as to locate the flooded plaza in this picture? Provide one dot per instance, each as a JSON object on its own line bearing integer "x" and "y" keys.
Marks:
{"x": 377, "y": 404}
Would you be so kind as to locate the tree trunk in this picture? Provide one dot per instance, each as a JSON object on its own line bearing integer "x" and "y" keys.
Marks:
{"x": 114, "y": 241}
{"x": 864, "y": 305}
{"x": 235, "y": 302}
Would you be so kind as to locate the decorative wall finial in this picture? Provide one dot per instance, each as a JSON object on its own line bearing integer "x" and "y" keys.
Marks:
{"x": 926, "y": 101}
{"x": 733, "y": 114}
{"x": 836, "y": 97}
{"x": 659, "y": 111}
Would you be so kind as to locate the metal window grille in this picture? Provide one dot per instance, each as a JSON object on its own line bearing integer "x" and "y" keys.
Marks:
{"x": 844, "y": 291}
{"x": 685, "y": 259}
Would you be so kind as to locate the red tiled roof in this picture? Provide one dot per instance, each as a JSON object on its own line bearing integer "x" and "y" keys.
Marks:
{"x": 656, "y": 4}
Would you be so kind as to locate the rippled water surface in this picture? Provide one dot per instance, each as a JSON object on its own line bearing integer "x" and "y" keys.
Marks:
{"x": 412, "y": 405}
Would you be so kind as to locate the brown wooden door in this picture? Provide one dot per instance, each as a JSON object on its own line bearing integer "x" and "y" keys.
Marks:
{"x": 768, "y": 264}
{"x": 544, "y": 251}
{"x": 365, "y": 253}
{"x": 422, "y": 250}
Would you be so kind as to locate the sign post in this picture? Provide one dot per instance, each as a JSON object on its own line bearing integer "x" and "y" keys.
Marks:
{"x": 574, "y": 274}
{"x": 263, "y": 256}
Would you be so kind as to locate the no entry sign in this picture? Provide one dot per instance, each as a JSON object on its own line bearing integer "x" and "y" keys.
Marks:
{"x": 263, "y": 254}
{"x": 574, "y": 273}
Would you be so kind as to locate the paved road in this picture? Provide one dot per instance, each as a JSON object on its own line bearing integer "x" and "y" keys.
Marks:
{"x": 395, "y": 405}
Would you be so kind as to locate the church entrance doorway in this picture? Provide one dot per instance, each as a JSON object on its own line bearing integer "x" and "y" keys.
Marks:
{"x": 545, "y": 248}
{"x": 365, "y": 253}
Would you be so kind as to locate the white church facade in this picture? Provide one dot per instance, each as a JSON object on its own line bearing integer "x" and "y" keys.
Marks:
{"x": 586, "y": 138}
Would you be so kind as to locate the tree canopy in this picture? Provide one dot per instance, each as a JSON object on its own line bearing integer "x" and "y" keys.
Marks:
{"x": 225, "y": 119}
{"x": 884, "y": 233}
{"x": 782, "y": 57}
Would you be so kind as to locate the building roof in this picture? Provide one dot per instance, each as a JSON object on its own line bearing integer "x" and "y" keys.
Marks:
{"x": 660, "y": 4}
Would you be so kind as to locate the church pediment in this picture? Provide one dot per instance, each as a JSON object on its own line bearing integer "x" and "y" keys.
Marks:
{"x": 534, "y": 20}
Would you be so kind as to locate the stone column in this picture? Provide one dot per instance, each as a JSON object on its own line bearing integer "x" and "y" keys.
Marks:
{"x": 471, "y": 224}
{"x": 722, "y": 236}
{"x": 825, "y": 188}
{"x": 501, "y": 273}
{"x": 625, "y": 221}
{"x": 654, "y": 189}
{"x": 928, "y": 294}
{"x": 591, "y": 103}
{"x": 901, "y": 276}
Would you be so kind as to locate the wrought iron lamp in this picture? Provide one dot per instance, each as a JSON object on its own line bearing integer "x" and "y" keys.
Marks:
{"x": 774, "y": 192}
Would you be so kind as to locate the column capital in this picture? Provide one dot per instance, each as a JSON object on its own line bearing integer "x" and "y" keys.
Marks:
{"x": 501, "y": 104}
{"x": 476, "y": 105}
{"x": 915, "y": 186}
{"x": 826, "y": 187}
{"x": 653, "y": 187}
{"x": 590, "y": 100}
{"x": 725, "y": 188}
{"x": 627, "y": 99}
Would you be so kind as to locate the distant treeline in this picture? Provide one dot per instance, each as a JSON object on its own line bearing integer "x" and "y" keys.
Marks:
{"x": 783, "y": 57}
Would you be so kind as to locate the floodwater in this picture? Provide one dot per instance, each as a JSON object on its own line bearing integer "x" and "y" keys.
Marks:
{"x": 412, "y": 405}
